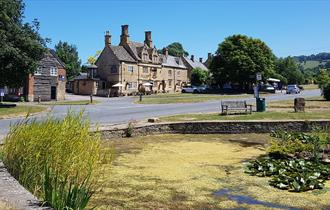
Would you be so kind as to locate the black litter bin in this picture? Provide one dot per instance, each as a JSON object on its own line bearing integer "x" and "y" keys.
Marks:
{"x": 261, "y": 104}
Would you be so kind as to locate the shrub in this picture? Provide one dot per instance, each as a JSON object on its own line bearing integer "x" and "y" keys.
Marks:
{"x": 129, "y": 130}
{"x": 54, "y": 159}
{"x": 326, "y": 92}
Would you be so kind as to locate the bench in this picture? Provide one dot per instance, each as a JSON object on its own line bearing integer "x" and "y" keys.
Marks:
{"x": 235, "y": 105}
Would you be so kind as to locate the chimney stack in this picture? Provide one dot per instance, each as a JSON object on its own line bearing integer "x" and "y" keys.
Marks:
{"x": 209, "y": 56}
{"x": 192, "y": 58}
{"x": 165, "y": 51}
{"x": 201, "y": 60}
{"x": 148, "y": 40}
{"x": 107, "y": 38}
{"x": 124, "y": 37}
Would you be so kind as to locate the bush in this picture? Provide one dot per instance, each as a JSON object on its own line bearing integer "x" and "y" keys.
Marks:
{"x": 326, "y": 92}
{"x": 129, "y": 129}
{"x": 54, "y": 159}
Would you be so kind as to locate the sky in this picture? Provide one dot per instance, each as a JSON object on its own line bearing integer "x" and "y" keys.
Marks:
{"x": 288, "y": 27}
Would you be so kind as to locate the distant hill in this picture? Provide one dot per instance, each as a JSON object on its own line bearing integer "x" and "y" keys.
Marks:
{"x": 313, "y": 63}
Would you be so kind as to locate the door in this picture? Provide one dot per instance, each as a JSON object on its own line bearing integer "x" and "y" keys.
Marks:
{"x": 53, "y": 92}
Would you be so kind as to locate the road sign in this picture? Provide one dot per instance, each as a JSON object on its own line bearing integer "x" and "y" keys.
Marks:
{"x": 258, "y": 76}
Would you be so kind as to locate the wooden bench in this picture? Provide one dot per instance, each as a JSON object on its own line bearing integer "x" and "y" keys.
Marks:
{"x": 235, "y": 105}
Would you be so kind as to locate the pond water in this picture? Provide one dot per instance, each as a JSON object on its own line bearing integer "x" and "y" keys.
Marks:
{"x": 244, "y": 199}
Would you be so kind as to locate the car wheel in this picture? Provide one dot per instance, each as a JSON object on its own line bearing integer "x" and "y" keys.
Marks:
{"x": 183, "y": 91}
{"x": 195, "y": 91}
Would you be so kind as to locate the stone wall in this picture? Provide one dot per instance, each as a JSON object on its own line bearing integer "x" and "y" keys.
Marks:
{"x": 218, "y": 127}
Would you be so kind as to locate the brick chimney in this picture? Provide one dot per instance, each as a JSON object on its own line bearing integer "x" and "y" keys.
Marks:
{"x": 107, "y": 38}
{"x": 201, "y": 60}
{"x": 165, "y": 51}
{"x": 148, "y": 40}
{"x": 192, "y": 58}
{"x": 209, "y": 56}
{"x": 124, "y": 37}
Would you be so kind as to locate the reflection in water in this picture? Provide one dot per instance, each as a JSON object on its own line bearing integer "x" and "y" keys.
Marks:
{"x": 249, "y": 200}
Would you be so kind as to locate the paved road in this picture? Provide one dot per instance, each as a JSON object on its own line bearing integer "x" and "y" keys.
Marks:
{"x": 121, "y": 110}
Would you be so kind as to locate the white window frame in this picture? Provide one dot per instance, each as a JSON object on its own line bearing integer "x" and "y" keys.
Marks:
{"x": 130, "y": 69}
{"x": 145, "y": 70}
{"x": 38, "y": 71}
{"x": 53, "y": 71}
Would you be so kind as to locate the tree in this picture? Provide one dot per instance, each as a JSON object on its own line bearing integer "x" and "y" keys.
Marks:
{"x": 239, "y": 58}
{"x": 176, "y": 49}
{"x": 21, "y": 46}
{"x": 92, "y": 59}
{"x": 199, "y": 76}
{"x": 69, "y": 56}
{"x": 323, "y": 78}
{"x": 289, "y": 69}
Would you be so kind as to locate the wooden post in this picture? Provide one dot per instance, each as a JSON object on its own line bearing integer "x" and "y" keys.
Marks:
{"x": 91, "y": 98}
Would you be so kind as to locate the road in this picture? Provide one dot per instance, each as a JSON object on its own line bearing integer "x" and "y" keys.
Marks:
{"x": 122, "y": 110}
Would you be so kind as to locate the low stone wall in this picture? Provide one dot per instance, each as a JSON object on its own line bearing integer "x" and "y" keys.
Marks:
{"x": 216, "y": 127}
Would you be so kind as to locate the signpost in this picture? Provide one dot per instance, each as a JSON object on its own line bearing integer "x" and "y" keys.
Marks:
{"x": 258, "y": 77}
{"x": 2, "y": 94}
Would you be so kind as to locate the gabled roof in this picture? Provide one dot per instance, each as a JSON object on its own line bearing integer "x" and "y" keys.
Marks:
{"x": 122, "y": 54}
{"x": 195, "y": 64}
{"x": 172, "y": 61}
{"x": 50, "y": 59}
{"x": 135, "y": 48}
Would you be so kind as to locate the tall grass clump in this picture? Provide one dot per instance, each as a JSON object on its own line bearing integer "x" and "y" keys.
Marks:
{"x": 54, "y": 159}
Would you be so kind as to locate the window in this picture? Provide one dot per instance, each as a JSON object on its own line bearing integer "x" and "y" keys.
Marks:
{"x": 155, "y": 58}
{"x": 53, "y": 71}
{"x": 130, "y": 68}
{"x": 170, "y": 83}
{"x": 145, "y": 70}
{"x": 178, "y": 73}
{"x": 114, "y": 69}
{"x": 169, "y": 73}
{"x": 145, "y": 56}
{"x": 38, "y": 71}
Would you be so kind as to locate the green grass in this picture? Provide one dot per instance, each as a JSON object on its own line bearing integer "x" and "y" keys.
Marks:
{"x": 81, "y": 102}
{"x": 186, "y": 98}
{"x": 272, "y": 115}
{"x": 20, "y": 110}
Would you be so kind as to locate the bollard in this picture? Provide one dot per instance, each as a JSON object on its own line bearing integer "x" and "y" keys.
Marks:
{"x": 140, "y": 96}
{"x": 39, "y": 99}
{"x": 91, "y": 97}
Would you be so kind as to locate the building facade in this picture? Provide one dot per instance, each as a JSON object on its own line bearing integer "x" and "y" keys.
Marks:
{"x": 134, "y": 65}
{"x": 48, "y": 81}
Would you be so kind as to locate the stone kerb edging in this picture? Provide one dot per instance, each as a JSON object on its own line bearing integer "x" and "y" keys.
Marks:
{"x": 214, "y": 127}
{"x": 15, "y": 194}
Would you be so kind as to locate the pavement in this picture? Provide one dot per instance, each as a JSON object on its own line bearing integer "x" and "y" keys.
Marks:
{"x": 123, "y": 109}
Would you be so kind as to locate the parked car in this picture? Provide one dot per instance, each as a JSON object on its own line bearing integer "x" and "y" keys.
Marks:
{"x": 292, "y": 89}
{"x": 193, "y": 89}
{"x": 267, "y": 88}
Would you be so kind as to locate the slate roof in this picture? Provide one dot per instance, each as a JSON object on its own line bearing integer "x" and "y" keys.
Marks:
{"x": 195, "y": 64}
{"x": 50, "y": 59}
{"x": 121, "y": 53}
{"x": 135, "y": 48}
{"x": 172, "y": 61}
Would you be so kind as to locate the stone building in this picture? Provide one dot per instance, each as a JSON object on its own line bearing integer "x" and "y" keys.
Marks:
{"x": 48, "y": 81}
{"x": 192, "y": 63}
{"x": 134, "y": 65}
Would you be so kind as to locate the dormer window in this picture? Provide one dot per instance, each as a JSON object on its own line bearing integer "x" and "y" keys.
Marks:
{"x": 155, "y": 58}
{"x": 53, "y": 71}
{"x": 145, "y": 56}
{"x": 130, "y": 69}
{"x": 38, "y": 71}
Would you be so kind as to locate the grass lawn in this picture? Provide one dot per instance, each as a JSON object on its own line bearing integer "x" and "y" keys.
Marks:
{"x": 271, "y": 115}
{"x": 186, "y": 171}
{"x": 186, "y": 98}
{"x": 311, "y": 103}
{"x": 81, "y": 102}
{"x": 20, "y": 110}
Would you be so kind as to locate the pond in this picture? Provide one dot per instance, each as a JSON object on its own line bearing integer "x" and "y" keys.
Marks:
{"x": 193, "y": 172}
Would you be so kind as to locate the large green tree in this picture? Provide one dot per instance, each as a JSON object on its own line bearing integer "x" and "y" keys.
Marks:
{"x": 199, "y": 76}
{"x": 239, "y": 58}
{"x": 21, "y": 46}
{"x": 288, "y": 68}
{"x": 69, "y": 56}
{"x": 176, "y": 49}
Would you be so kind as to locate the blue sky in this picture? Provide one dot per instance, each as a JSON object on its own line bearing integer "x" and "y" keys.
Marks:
{"x": 289, "y": 27}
